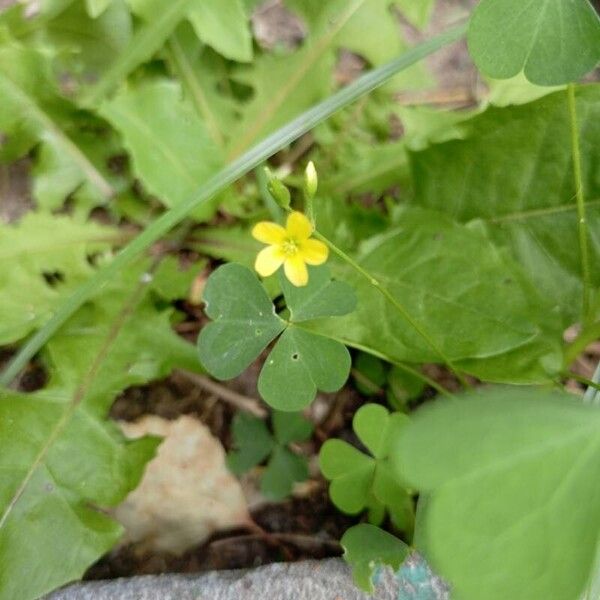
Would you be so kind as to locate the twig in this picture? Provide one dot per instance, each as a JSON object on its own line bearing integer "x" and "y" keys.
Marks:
{"x": 239, "y": 401}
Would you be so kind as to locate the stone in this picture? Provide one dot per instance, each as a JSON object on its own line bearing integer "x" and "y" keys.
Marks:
{"x": 308, "y": 580}
{"x": 186, "y": 492}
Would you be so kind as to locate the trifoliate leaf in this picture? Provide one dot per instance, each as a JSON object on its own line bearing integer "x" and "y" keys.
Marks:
{"x": 359, "y": 481}
{"x": 367, "y": 548}
{"x": 171, "y": 150}
{"x": 510, "y": 479}
{"x": 300, "y": 364}
{"x": 244, "y": 321}
{"x": 254, "y": 443}
{"x": 552, "y": 41}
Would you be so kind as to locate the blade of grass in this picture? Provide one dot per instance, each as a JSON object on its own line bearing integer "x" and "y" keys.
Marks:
{"x": 245, "y": 163}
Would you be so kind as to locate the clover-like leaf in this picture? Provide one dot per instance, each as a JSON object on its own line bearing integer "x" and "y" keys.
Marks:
{"x": 323, "y": 297}
{"x": 360, "y": 482}
{"x": 254, "y": 443}
{"x": 552, "y": 41}
{"x": 300, "y": 364}
{"x": 366, "y": 548}
{"x": 244, "y": 321}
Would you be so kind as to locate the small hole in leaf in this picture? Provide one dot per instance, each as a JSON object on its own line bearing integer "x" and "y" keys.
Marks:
{"x": 258, "y": 331}
{"x": 295, "y": 356}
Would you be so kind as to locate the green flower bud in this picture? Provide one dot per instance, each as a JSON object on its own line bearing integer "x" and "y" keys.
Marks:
{"x": 278, "y": 190}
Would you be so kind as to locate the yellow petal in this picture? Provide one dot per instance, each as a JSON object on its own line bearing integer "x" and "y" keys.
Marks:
{"x": 268, "y": 232}
{"x": 314, "y": 252}
{"x": 298, "y": 226}
{"x": 268, "y": 260}
{"x": 295, "y": 270}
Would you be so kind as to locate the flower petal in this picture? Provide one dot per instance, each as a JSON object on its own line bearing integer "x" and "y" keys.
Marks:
{"x": 268, "y": 232}
{"x": 298, "y": 226}
{"x": 295, "y": 270}
{"x": 314, "y": 252}
{"x": 268, "y": 260}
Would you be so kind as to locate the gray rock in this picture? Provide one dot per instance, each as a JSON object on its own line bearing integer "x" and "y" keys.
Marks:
{"x": 309, "y": 580}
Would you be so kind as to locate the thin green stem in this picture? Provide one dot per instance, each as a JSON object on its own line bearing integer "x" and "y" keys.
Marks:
{"x": 397, "y": 305}
{"x": 587, "y": 335}
{"x": 582, "y": 223}
{"x": 231, "y": 173}
{"x": 589, "y": 382}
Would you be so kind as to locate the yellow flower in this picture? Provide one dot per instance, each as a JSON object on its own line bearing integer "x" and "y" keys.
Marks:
{"x": 290, "y": 246}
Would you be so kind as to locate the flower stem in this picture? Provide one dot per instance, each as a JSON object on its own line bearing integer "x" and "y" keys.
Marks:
{"x": 582, "y": 223}
{"x": 399, "y": 307}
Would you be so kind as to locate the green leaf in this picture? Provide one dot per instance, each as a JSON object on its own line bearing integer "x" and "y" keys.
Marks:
{"x": 369, "y": 374}
{"x": 218, "y": 183}
{"x": 300, "y": 364}
{"x": 366, "y": 547}
{"x": 44, "y": 258}
{"x": 253, "y": 443}
{"x": 60, "y": 460}
{"x": 291, "y": 427}
{"x": 416, "y": 12}
{"x": 359, "y": 481}
{"x": 96, "y": 7}
{"x": 244, "y": 321}
{"x": 33, "y": 111}
{"x": 481, "y": 313}
{"x": 223, "y": 25}
{"x": 283, "y": 470}
{"x": 170, "y": 147}
{"x": 510, "y": 484}
{"x": 552, "y": 41}
{"x": 514, "y": 172}
{"x": 322, "y": 297}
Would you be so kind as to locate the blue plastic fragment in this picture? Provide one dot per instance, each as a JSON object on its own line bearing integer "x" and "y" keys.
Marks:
{"x": 418, "y": 582}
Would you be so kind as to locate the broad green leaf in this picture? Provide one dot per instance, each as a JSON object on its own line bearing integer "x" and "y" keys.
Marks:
{"x": 61, "y": 462}
{"x": 300, "y": 364}
{"x": 223, "y": 25}
{"x": 253, "y": 443}
{"x": 510, "y": 484}
{"x": 44, "y": 258}
{"x": 551, "y": 41}
{"x": 366, "y": 548}
{"x": 513, "y": 171}
{"x": 322, "y": 297}
{"x": 244, "y": 321}
{"x": 290, "y": 427}
{"x": 283, "y": 470}
{"x": 171, "y": 150}
{"x": 478, "y": 312}
{"x": 32, "y": 111}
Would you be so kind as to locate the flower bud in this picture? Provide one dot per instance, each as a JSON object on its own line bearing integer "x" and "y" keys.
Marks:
{"x": 278, "y": 190}
{"x": 310, "y": 180}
